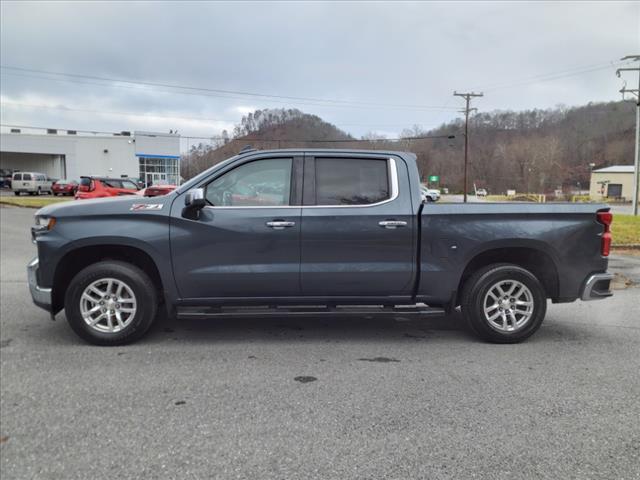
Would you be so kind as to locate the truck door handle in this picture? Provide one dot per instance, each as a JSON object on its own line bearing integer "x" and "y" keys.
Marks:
{"x": 280, "y": 224}
{"x": 392, "y": 223}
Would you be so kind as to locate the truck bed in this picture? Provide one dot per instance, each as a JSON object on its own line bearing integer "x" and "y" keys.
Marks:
{"x": 561, "y": 242}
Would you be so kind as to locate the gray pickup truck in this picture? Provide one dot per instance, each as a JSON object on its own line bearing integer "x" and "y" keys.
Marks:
{"x": 313, "y": 232}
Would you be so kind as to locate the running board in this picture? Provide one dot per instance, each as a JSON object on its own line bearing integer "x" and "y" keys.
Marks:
{"x": 307, "y": 310}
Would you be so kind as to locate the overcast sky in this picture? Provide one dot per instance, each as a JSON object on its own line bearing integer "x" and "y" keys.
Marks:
{"x": 386, "y": 62}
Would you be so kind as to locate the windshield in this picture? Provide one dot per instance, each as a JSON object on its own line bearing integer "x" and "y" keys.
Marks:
{"x": 194, "y": 181}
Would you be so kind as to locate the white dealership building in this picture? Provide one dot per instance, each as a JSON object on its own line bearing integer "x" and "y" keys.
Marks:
{"x": 151, "y": 156}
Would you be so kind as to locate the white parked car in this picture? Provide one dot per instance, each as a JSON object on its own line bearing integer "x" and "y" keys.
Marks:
{"x": 33, "y": 183}
{"x": 481, "y": 192}
{"x": 429, "y": 194}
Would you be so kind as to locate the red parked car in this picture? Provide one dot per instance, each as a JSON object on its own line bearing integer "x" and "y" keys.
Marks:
{"x": 64, "y": 187}
{"x": 157, "y": 190}
{"x": 97, "y": 187}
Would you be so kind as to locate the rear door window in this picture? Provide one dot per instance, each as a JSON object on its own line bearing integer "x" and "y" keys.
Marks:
{"x": 26, "y": 176}
{"x": 351, "y": 181}
{"x": 17, "y": 176}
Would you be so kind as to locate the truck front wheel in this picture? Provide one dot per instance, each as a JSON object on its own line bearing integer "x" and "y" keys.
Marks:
{"x": 503, "y": 303}
{"x": 111, "y": 303}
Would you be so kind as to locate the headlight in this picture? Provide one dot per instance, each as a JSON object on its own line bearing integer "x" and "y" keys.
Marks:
{"x": 45, "y": 223}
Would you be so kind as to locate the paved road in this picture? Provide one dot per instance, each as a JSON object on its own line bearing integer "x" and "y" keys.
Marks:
{"x": 392, "y": 399}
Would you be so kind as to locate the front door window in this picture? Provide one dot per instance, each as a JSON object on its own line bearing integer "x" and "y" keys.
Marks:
{"x": 255, "y": 184}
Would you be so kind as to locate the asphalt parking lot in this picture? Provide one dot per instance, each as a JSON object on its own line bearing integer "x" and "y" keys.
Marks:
{"x": 385, "y": 397}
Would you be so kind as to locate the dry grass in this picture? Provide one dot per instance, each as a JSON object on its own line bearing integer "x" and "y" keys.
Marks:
{"x": 625, "y": 229}
{"x": 32, "y": 202}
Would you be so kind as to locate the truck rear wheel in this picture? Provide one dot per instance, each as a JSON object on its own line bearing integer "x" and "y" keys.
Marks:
{"x": 111, "y": 303}
{"x": 503, "y": 303}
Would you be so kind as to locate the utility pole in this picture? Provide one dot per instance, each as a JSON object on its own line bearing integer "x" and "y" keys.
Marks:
{"x": 466, "y": 111}
{"x": 636, "y": 92}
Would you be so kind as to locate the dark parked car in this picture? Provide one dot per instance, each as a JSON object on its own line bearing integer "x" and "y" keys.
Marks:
{"x": 314, "y": 231}
{"x": 65, "y": 187}
{"x": 5, "y": 178}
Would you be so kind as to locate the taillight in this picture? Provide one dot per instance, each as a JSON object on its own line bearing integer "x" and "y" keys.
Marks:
{"x": 605, "y": 218}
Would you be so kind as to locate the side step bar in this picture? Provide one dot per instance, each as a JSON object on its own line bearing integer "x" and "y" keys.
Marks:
{"x": 307, "y": 310}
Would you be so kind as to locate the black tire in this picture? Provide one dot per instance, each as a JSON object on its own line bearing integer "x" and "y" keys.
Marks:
{"x": 478, "y": 286}
{"x": 17, "y": 194}
{"x": 136, "y": 279}
{"x": 429, "y": 199}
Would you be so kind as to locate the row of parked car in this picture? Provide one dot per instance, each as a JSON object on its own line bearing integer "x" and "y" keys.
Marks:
{"x": 35, "y": 183}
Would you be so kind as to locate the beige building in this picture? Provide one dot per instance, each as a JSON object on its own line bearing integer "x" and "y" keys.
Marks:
{"x": 612, "y": 182}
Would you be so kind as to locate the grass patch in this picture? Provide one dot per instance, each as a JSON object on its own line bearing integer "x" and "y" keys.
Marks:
{"x": 625, "y": 229}
{"x": 31, "y": 202}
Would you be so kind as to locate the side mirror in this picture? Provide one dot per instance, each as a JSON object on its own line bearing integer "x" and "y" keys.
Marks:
{"x": 194, "y": 201}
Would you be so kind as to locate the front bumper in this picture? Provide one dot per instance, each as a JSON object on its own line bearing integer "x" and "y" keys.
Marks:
{"x": 597, "y": 287}
{"x": 41, "y": 296}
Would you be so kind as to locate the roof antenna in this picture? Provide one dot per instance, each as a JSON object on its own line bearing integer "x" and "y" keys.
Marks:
{"x": 246, "y": 148}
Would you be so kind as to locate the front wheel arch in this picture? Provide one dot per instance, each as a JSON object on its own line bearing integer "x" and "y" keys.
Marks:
{"x": 108, "y": 322}
{"x": 75, "y": 260}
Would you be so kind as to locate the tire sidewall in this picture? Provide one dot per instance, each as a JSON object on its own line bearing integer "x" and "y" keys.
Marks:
{"x": 136, "y": 279}
{"x": 474, "y": 308}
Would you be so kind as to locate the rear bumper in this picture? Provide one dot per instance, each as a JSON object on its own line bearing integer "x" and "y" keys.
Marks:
{"x": 41, "y": 296}
{"x": 597, "y": 287}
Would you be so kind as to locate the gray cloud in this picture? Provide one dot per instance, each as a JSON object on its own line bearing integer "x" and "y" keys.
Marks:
{"x": 401, "y": 53}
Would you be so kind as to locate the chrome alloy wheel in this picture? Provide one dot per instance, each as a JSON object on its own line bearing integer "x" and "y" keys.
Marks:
{"x": 108, "y": 305}
{"x": 508, "y": 306}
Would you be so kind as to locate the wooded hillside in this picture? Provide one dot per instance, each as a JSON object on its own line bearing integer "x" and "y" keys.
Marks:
{"x": 536, "y": 150}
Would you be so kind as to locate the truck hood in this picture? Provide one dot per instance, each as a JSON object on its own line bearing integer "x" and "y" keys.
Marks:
{"x": 129, "y": 204}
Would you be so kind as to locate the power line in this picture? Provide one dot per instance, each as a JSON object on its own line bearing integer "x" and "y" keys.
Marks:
{"x": 241, "y": 139}
{"x": 550, "y": 76}
{"x": 203, "y": 94}
{"x": 153, "y": 115}
{"x": 108, "y": 112}
{"x": 332, "y": 102}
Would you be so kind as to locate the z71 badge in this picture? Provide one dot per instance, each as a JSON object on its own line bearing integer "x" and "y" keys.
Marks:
{"x": 146, "y": 206}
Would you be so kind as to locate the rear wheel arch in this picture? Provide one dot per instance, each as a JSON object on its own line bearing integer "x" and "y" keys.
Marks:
{"x": 77, "y": 259}
{"x": 503, "y": 303}
{"x": 536, "y": 261}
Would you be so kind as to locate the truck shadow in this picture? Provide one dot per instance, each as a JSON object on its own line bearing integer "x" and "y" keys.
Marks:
{"x": 338, "y": 328}
{"x": 327, "y": 328}
{"x": 378, "y": 328}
